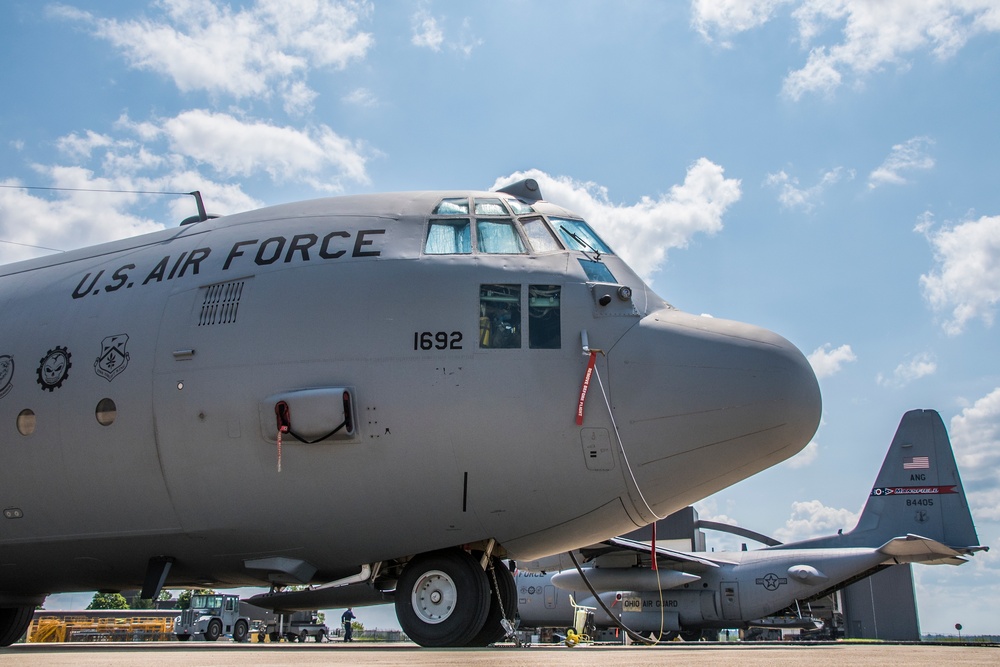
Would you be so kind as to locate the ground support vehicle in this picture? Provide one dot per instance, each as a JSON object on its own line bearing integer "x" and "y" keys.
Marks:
{"x": 212, "y": 616}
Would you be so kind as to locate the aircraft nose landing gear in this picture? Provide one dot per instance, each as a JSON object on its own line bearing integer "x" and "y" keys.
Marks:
{"x": 442, "y": 598}
{"x": 434, "y": 597}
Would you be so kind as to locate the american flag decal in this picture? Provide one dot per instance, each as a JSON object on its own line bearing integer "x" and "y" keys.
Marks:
{"x": 916, "y": 462}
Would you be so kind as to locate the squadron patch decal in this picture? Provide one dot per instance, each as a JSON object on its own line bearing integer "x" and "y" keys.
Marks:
{"x": 114, "y": 358}
{"x": 54, "y": 368}
{"x": 6, "y": 374}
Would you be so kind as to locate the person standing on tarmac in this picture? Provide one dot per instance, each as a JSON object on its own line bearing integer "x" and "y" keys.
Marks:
{"x": 345, "y": 620}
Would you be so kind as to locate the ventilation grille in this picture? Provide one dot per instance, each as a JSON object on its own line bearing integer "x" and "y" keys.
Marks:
{"x": 221, "y": 303}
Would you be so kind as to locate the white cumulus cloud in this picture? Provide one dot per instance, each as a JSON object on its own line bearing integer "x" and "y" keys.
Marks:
{"x": 964, "y": 283}
{"x": 806, "y": 457}
{"x": 643, "y": 232}
{"x": 811, "y": 518}
{"x": 907, "y": 156}
{"x": 790, "y": 195}
{"x": 235, "y": 147}
{"x": 429, "y": 33}
{"x": 172, "y": 155}
{"x": 975, "y": 436}
{"x": 914, "y": 368}
{"x": 850, "y": 39}
{"x": 207, "y": 45}
{"x": 720, "y": 18}
{"x": 826, "y": 361}
{"x": 426, "y": 31}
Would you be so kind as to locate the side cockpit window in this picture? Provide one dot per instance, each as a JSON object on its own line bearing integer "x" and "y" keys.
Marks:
{"x": 449, "y": 237}
{"x": 539, "y": 236}
{"x": 577, "y": 235}
{"x": 499, "y": 316}
{"x": 505, "y": 226}
{"x": 500, "y": 310}
{"x": 544, "y": 330}
{"x": 493, "y": 231}
{"x": 499, "y": 237}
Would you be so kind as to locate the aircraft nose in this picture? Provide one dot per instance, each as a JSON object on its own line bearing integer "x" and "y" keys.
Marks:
{"x": 701, "y": 403}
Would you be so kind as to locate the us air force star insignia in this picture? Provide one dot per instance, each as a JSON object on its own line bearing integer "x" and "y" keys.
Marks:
{"x": 771, "y": 581}
{"x": 114, "y": 358}
{"x": 54, "y": 368}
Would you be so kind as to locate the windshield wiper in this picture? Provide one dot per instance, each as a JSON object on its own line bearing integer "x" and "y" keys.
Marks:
{"x": 575, "y": 237}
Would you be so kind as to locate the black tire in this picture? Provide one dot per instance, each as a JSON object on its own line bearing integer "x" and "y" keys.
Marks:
{"x": 214, "y": 630}
{"x": 183, "y": 638}
{"x": 442, "y": 598}
{"x": 320, "y": 638}
{"x": 691, "y": 635}
{"x": 274, "y": 637}
{"x": 14, "y": 622}
{"x": 303, "y": 636}
{"x": 241, "y": 631}
{"x": 492, "y": 630}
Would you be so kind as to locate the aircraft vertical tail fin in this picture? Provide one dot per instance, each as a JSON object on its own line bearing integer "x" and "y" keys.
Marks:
{"x": 918, "y": 491}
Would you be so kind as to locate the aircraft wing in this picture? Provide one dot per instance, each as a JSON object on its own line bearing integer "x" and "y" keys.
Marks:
{"x": 677, "y": 560}
{"x": 917, "y": 549}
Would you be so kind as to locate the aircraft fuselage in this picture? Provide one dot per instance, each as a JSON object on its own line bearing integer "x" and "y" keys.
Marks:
{"x": 138, "y": 401}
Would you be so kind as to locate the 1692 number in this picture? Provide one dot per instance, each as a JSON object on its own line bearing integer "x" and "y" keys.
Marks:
{"x": 437, "y": 340}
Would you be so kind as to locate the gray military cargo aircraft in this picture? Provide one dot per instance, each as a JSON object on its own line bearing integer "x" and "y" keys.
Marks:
{"x": 343, "y": 393}
{"x": 916, "y": 513}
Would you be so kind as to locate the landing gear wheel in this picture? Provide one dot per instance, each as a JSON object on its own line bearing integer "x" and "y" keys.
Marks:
{"x": 14, "y": 622}
{"x": 492, "y": 630}
{"x": 442, "y": 598}
{"x": 214, "y": 630}
{"x": 241, "y": 631}
{"x": 691, "y": 635}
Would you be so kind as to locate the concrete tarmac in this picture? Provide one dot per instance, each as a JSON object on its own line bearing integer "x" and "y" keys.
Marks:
{"x": 358, "y": 655}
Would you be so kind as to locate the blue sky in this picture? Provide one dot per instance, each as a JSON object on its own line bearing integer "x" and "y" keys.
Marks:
{"x": 824, "y": 168}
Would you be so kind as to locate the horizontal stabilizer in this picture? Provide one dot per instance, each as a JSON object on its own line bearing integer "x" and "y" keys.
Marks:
{"x": 916, "y": 549}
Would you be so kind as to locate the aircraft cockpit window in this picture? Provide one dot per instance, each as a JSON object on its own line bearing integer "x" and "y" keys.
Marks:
{"x": 577, "y": 235}
{"x": 449, "y": 237}
{"x": 544, "y": 331}
{"x": 499, "y": 316}
{"x": 539, "y": 236}
{"x": 453, "y": 206}
{"x": 490, "y": 207}
{"x": 499, "y": 237}
{"x": 519, "y": 207}
{"x": 597, "y": 272}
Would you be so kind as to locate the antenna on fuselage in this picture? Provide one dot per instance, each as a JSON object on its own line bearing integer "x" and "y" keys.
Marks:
{"x": 202, "y": 215}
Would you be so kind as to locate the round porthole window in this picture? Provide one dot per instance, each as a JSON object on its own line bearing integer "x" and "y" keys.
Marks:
{"x": 26, "y": 422}
{"x": 106, "y": 412}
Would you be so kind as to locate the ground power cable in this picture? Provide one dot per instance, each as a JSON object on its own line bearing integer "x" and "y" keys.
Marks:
{"x": 635, "y": 482}
{"x": 635, "y": 636}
